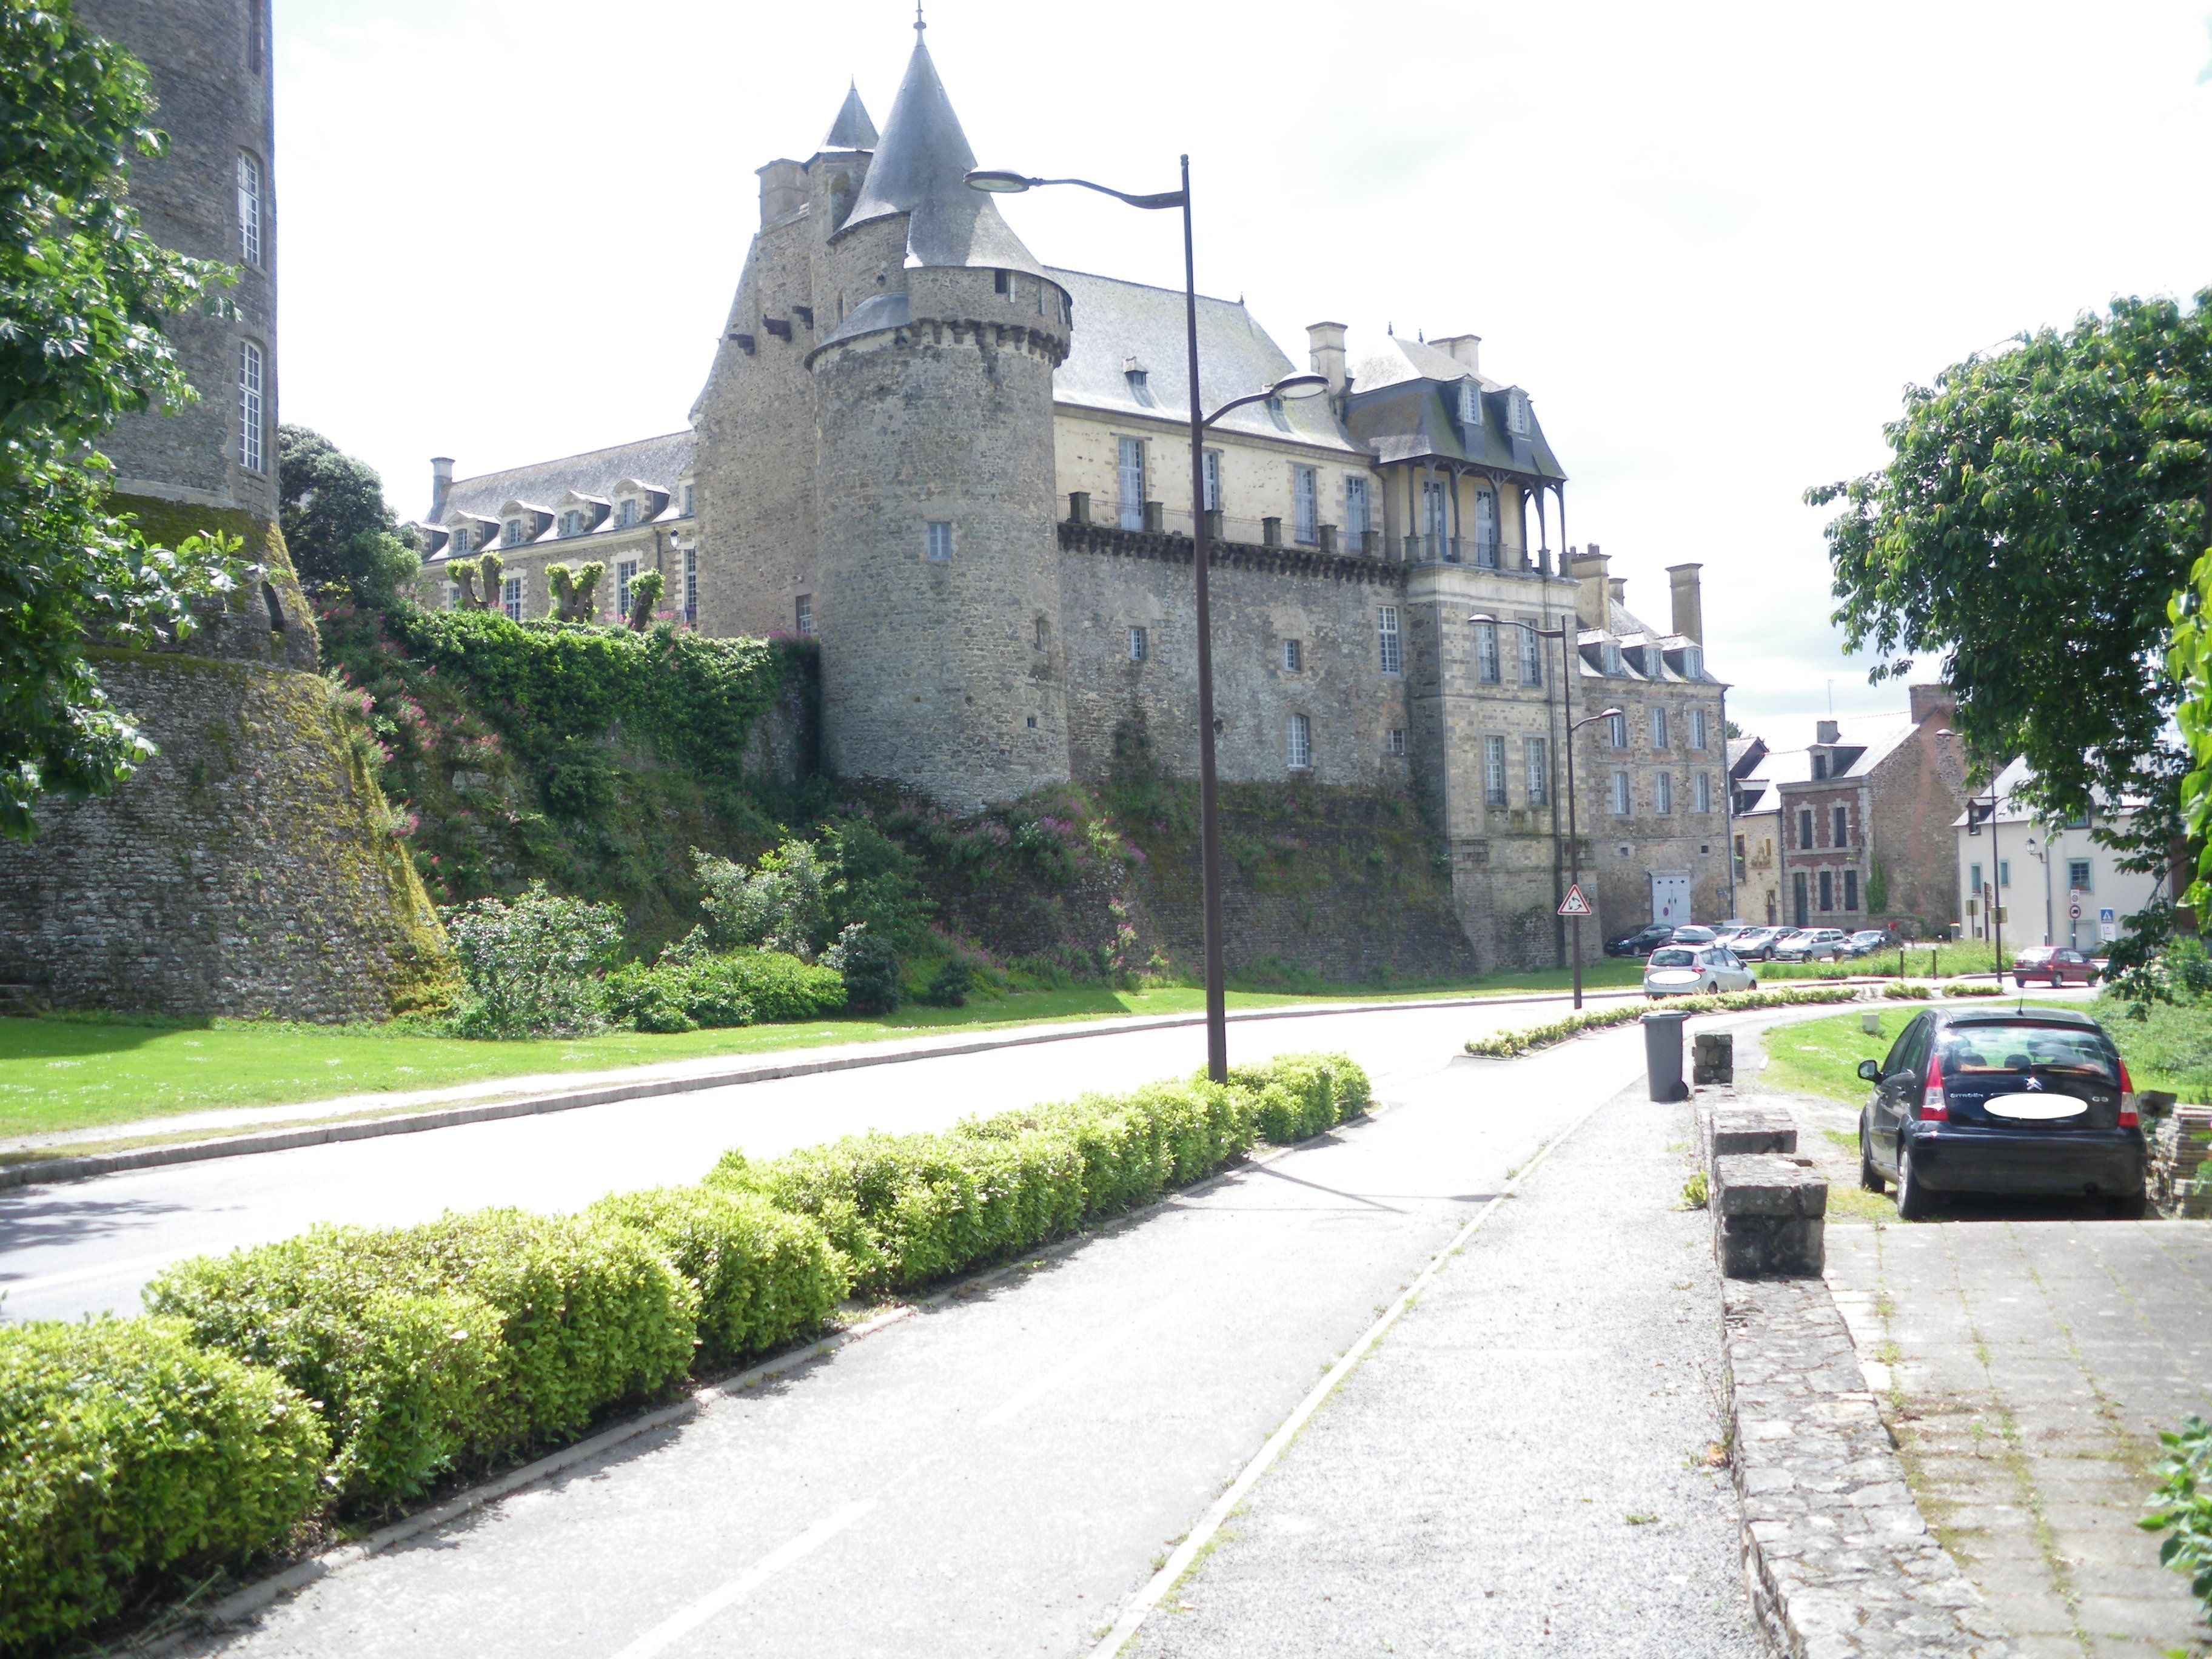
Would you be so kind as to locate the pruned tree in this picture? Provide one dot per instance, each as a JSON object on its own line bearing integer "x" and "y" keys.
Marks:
{"x": 645, "y": 593}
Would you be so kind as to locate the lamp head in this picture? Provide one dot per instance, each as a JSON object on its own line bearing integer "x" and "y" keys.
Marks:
{"x": 1291, "y": 386}
{"x": 1482, "y": 617}
{"x": 1001, "y": 183}
{"x": 1608, "y": 714}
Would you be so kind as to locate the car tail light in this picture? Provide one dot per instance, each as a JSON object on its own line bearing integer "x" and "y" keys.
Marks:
{"x": 1932, "y": 1107}
{"x": 2129, "y": 1119}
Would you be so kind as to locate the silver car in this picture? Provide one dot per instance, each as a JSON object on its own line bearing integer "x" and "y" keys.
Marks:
{"x": 1695, "y": 970}
{"x": 1814, "y": 945}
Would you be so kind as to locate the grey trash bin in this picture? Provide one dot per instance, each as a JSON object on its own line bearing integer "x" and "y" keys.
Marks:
{"x": 1662, "y": 1054}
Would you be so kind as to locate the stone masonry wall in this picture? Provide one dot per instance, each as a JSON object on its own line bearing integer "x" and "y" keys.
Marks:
{"x": 243, "y": 871}
{"x": 1917, "y": 791}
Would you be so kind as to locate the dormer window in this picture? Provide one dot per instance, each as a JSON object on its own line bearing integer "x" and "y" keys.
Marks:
{"x": 626, "y": 514}
{"x": 572, "y": 523}
{"x": 1139, "y": 380}
{"x": 1654, "y": 662}
{"x": 1516, "y": 413}
{"x": 461, "y": 538}
{"x": 1693, "y": 662}
{"x": 1470, "y": 405}
{"x": 1612, "y": 657}
{"x": 1275, "y": 413}
{"x": 1819, "y": 766}
{"x": 512, "y": 533}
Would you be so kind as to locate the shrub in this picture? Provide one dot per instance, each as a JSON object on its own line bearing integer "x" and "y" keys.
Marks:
{"x": 545, "y": 1320}
{"x": 1906, "y": 990}
{"x": 762, "y": 1274}
{"x": 1970, "y": 988}
{"x": 778, "y": 905}
{"x": 128, "y": 1455}
{"x": 1510, "y": 1045}
{"x": 870, "y": 968}
{"x": 691, "y": 987}
{"x": 949, "y": 985}
{"x": 2182, "y": 1503}
{"x": 531, "y": 966}
{"x": 1298, "y": 1097}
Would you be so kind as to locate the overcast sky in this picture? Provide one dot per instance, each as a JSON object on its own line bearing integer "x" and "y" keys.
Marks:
{"x": 1713, "y": 241}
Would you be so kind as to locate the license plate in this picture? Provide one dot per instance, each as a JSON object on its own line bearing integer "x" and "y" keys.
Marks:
{"x": 2039, "y": 1109}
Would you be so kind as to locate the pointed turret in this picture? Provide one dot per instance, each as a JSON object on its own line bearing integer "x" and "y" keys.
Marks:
{"x": 851, "y": 129}
{"x": 921, "y": 169}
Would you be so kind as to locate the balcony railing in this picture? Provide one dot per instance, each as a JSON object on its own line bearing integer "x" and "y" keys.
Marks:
{"x": 1155, "y": 517}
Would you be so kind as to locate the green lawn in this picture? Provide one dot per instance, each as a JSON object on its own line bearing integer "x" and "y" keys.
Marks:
{"x": 59, "y": 1072}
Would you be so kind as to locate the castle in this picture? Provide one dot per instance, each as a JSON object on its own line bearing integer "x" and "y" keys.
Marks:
{"x": 966, "y": 474}
{"x": 249, "y": 867}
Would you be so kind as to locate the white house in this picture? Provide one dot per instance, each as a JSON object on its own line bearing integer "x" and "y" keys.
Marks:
{"x": 2054, "y": 883}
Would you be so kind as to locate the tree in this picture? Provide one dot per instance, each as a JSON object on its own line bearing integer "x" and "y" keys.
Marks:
{"x": 82, "y": 294}
{"x": 341, "y": 535}
{"x": 2041, "y": 507}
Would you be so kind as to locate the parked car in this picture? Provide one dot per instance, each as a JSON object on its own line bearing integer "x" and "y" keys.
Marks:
{"x": 1813, "y": 945}
{"x": 1691, "y": 970}
{"x": 1690, "y": 934}
{"x": 2002, "y": 1100}
{"x": 2053, "y": 965}
{"x": 1726, "y": 932}
{"x": 1867, "y": 940}
{"x": 1640, "y": 941}
{"x": 1757, "y": 944}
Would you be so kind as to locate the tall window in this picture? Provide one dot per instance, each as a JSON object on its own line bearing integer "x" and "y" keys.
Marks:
{"x": 940, "y": 541}
{"x": 1386, "y": 627}
{"x": 1613, "y": 658}
{"x": 572, "y": 523}
{"x": 1704, "y": 792}
{"x": 1534, "y": 763}
{"x": 1620, "y": 794}
{"x": 1355, "y": 506}
{"x": 1658, "y": 728}
{"x": 1435, "y": 515}
{"x": 510, "y": 598}
{"x": 1663, "y": 792}
{"x": 1532, "y": 653}
{"x": 627, "y": 513}
{"x": 1301, "y": 743}
{"x": 1851, "y": 889}
{"x": 1486, "y": 529}
{"x": 1212, "y": 479}
{"x": 1693, "y": 662}
{"x": 1804, "y": 826}
{"x": 1973, "y": 877}
{"x": 1697, "y": 728}
{"x": 1797, "y": 896}
{"x": 1140, "y": 645}
{"x": 691, "y": 585}
{"x": 512, "y": 536}
{"x": 1485, "y": 652}
{"x": 1493, "y": 771}
{"x": 1131, "y": 474}
{"x": 2004, "y": 872}
{"x": 625, "y": 574}
{"x": 803, "y": 616}
{"x": 1841, "y": 827}
{"x": 1294, "y": 656}
{"x": 1305, "y": 505}
{"x": 1516, "y": 414}
{"x": 688, "y": 500}
{"x": 252, "y": 454}
{"x": 1827, "y": 889}
{"x": 1470, "y": 404}
{"x": 1393, "y": 741}
{"x": 1616, "y": 730}
{"x": 249, "y": 209}
{"x": 460, "y": 541}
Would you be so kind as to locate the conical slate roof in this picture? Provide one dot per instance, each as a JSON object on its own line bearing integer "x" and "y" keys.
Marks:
{"x": 921, "y": 169}
{"x": 851, "y": 129}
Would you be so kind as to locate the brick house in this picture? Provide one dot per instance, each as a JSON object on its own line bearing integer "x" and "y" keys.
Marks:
{"x": 1864, "y": 830}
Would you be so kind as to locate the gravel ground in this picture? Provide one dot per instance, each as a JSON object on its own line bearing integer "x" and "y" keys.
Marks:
{"x": 1520, "y": 1465}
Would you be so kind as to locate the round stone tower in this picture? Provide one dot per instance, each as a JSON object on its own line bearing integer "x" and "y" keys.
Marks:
{"x": 938, "y": 608}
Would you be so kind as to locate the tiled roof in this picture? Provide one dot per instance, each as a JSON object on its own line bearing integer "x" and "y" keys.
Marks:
{"x": 661, "y": 462}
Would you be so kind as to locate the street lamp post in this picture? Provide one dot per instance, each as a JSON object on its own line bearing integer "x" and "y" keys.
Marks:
{"x": 1995, "y": 891}
{"x": 1563, "y": 634}
{"x": 1292, "y": 386}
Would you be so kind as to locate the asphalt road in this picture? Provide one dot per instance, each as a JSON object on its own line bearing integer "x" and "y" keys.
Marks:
{"x": 998, "y": 1474}
{"x": 88, "y": 1246}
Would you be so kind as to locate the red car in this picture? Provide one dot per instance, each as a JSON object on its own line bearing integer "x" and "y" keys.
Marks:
{"x": 2053, "y": 965}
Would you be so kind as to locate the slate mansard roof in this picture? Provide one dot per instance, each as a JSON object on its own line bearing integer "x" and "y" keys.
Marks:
{"x": 1120, "y": 324}
{"x": 661, "y": 463}
{"x": 1405, "y": 406}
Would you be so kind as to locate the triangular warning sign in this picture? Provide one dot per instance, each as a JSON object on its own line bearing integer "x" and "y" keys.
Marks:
{"x": 1574, "y": 904}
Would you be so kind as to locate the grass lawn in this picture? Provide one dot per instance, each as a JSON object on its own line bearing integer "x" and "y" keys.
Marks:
{"x": 59, "y": 1072}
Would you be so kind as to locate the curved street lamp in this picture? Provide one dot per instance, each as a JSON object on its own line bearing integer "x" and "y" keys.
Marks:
{"x": 1002, "y": 183}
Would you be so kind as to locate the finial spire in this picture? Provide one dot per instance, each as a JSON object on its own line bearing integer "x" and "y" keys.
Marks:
{"x": 919, "y": 26}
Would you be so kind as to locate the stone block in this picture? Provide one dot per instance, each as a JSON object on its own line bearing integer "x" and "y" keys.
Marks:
{"x": 1741, "y": 1129}
{"x": 1713, "y": 1063}
{"x": 1768, "y": 1216}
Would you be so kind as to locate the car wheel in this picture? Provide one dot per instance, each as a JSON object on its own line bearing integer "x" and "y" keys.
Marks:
{"x": 1712, "y": 988}
{"x": 1911, "y": 1197}
{"x": 1869, "y": 1177}
{"x": 2132, "y": 1208}
{"x": 2057, "y": 979}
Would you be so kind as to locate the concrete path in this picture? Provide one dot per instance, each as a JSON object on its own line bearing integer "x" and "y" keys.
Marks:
{"x": 1522, "y": 1467}
{"x": 997, "y": 1476}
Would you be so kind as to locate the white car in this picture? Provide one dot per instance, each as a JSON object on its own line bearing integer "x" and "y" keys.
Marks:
{"x": 1814, "y": 945}
{"x": 1695, "y": 970}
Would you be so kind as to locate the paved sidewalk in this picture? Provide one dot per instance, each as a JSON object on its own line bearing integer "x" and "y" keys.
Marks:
{"x": 1521, "y": 1467}
{"x": 2025, "y": 1368}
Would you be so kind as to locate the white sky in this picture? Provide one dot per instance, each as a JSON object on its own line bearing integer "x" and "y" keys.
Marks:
{"x": 1714, "y": 241}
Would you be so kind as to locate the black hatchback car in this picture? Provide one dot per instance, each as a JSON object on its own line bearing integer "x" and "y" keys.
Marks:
{"x": 1640, "y": 941}
{"x": 2002, "y": 1100}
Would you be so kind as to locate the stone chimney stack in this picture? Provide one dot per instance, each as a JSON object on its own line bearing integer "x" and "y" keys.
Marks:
{"x": 1616, "y": 590}
{"x": 1325, "y": 353}
{"x": 1931, "y": 700}
{"x": 783, "y": 190}
{"x": 1826, "y": 731}
{"x": 1593, "y": 590}
{"x": 442, "y": 484}
{"x": 1689, "y": 606}
{"x": 1462, "y": 349}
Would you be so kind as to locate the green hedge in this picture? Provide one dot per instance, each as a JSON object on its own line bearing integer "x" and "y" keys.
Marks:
{"x": 737, "y": 988}
{"x": 129, "y": 1455}
{"x": 1510, "y": 1045}
{"x": 908, "y": 1210}
{"x": 459, "y": 1340}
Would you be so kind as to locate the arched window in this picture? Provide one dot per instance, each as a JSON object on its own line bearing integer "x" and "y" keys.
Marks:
{"x": 460, "y": 542}
{"x": 249, "y": 209}
{"x": 252, "y": 454}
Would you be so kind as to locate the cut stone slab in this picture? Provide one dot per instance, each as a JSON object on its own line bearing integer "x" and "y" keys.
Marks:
{"x": 1739, "y": 1129}
{"x": 1768, "y": 1216}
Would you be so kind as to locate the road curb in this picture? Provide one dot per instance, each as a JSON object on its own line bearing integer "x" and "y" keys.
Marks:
{"x": 93, "y": 1164}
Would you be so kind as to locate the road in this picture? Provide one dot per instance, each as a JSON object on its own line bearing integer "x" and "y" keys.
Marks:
{"x": 84, "y": 1247}
{"x": 1001, "y": 1473}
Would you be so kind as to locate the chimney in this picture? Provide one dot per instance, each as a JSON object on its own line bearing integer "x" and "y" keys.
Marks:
{"x": 1932, "y": 700}
{"x": 1824, "y": 732}
{"x": 783, "y": 190}
{"x": 1325, "y": 352}
{"x": 1689, "y": 607}
{"x": 1592, "y": 590}
{"x": 441, "y": 485}
{"x": 1462, "y": 349}
{"x": 1617, "y": 590}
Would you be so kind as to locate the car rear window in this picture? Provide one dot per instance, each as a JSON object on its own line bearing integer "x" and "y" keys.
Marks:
{"x": 1981, "y": 1050}
{"x": 1675, "y": 958}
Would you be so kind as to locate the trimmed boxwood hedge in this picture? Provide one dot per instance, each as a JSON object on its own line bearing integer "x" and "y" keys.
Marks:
{"x": 128, "y": 1455}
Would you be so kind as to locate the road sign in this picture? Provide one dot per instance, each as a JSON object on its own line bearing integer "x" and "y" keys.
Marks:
{"x": 2075, "y": 910}
{"x": 1574, "y": 904}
